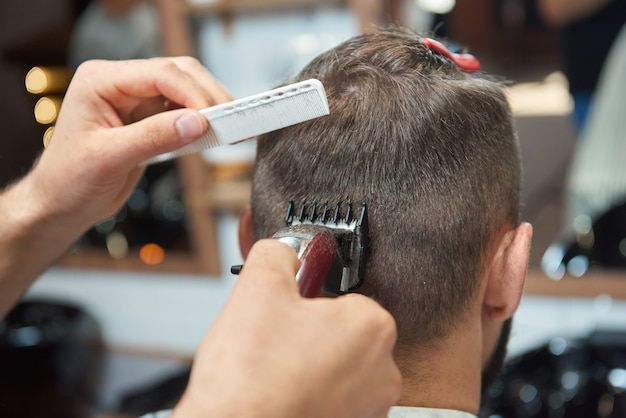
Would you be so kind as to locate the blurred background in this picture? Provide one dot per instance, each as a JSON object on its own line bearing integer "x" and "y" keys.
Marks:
{"x": 133, "y": 298}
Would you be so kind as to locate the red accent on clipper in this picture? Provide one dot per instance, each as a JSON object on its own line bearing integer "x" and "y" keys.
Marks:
{"x": 318, "y": 253}
{"x": 466, "y": 62}
{"x": 315, "y": 264}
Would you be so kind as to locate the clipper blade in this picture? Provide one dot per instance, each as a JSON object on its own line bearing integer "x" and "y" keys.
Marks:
{"x": 350, "y": 232}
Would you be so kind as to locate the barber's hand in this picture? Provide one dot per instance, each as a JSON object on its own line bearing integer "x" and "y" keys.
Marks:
{"x": 115, "y": 115}
{"x": 272, "y": 353}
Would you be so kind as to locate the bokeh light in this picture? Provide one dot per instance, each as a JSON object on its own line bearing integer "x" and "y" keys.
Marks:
{"x": 152, "y": 254}
{"x": 117, "y": 245}
{"x": 47, "y": 110}
{"x": 47, "y": 136}
{"x": 40, "y": 80}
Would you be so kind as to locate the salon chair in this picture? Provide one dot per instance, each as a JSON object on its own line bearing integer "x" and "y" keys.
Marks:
{"x": 565, "y": 378}
{"x": 50, "y": 361}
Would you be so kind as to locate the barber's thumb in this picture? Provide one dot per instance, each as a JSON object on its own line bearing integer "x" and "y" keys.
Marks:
{"x": 160, "y": 133}
{"x": 190, "y": 126}
{"x": 270, "y": 265}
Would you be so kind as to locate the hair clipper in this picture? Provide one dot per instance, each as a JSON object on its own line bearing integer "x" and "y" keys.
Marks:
{"x": 332, "y": 247}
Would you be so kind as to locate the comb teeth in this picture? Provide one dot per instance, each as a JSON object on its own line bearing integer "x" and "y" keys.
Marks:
{"x": 256, "y": 115}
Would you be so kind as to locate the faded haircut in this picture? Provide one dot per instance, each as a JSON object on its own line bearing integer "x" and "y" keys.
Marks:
{"x": 430, "y": 149}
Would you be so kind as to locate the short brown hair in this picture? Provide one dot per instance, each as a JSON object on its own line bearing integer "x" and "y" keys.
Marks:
{"x": 430, "y": 149}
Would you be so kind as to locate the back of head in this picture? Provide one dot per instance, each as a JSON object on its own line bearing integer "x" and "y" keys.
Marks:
{"x": 430, "y": 149}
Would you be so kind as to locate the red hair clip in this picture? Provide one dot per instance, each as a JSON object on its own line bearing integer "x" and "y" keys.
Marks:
{"x": 466, "y": 62}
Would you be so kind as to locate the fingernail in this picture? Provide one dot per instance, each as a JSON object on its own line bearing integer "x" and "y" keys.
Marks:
{"x": 189, "y": 126}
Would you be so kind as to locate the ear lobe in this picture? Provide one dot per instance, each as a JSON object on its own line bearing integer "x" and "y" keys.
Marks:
{"x": 506, "y": 280}
{"x": 245, "y": 232}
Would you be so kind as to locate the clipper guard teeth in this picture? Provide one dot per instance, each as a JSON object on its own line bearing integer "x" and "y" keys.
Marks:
{"x": 326, "y": 216}
{"x": 350, "y": 232}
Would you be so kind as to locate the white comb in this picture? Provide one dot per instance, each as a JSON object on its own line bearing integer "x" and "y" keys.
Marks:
{"x": 251, "y": 116}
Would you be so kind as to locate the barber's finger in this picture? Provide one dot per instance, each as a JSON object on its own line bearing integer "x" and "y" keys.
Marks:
{"x": 118, "y": 80}
{"x": 197, "y": 87}
{"x": 157, "y": 134}
{"x": 205, "y": 83}
{"x": 271, "y": 267}
{"x": 218, "y": 92}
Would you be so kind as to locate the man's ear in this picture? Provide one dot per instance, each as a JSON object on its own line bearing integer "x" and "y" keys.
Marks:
{"x": 245, "y": 232}
{"x": 508, "y": 273}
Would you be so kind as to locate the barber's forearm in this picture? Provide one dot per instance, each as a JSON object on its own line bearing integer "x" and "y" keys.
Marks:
{"x": 563, "y": 12}
{"x": 31, "y": 238}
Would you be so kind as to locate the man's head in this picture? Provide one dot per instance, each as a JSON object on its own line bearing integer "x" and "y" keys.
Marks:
{"x": 433, "y": 153}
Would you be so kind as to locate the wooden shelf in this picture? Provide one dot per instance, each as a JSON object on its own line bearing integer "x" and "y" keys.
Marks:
{"x": 592, "y": 284}
{"x": 174, "y": 262}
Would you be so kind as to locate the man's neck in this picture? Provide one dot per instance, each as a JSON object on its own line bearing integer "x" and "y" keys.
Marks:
{"x": 446, "y": 376}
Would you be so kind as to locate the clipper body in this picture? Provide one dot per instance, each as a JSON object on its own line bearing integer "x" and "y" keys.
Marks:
{"x": 317, "y": 232}
{"x": 332, "y": 247}
{"x": 318, "y": 254}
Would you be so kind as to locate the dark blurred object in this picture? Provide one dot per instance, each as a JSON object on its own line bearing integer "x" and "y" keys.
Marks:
{"x": 46, "y": 46}
{"x": 594, "y": 226}
{"x": 50, "y": 361}
{"x": 32, "y": 32}
{"x": 518, "y": 15}
{"x": 585, "y": 44}
{"x": 587, "y": 30}
{"x": 575, "y": 378}
{"x": 597, "y": 244}
{"x": 154, "y": 213}
{"x": 604, "y": 245}
{"x": 163, "y": 395}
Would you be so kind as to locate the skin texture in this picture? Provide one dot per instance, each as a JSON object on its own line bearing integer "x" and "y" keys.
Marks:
{"x": 433, "y": 152}
{"x": 116, "y": 115}
{"x": 362, "y": 380}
